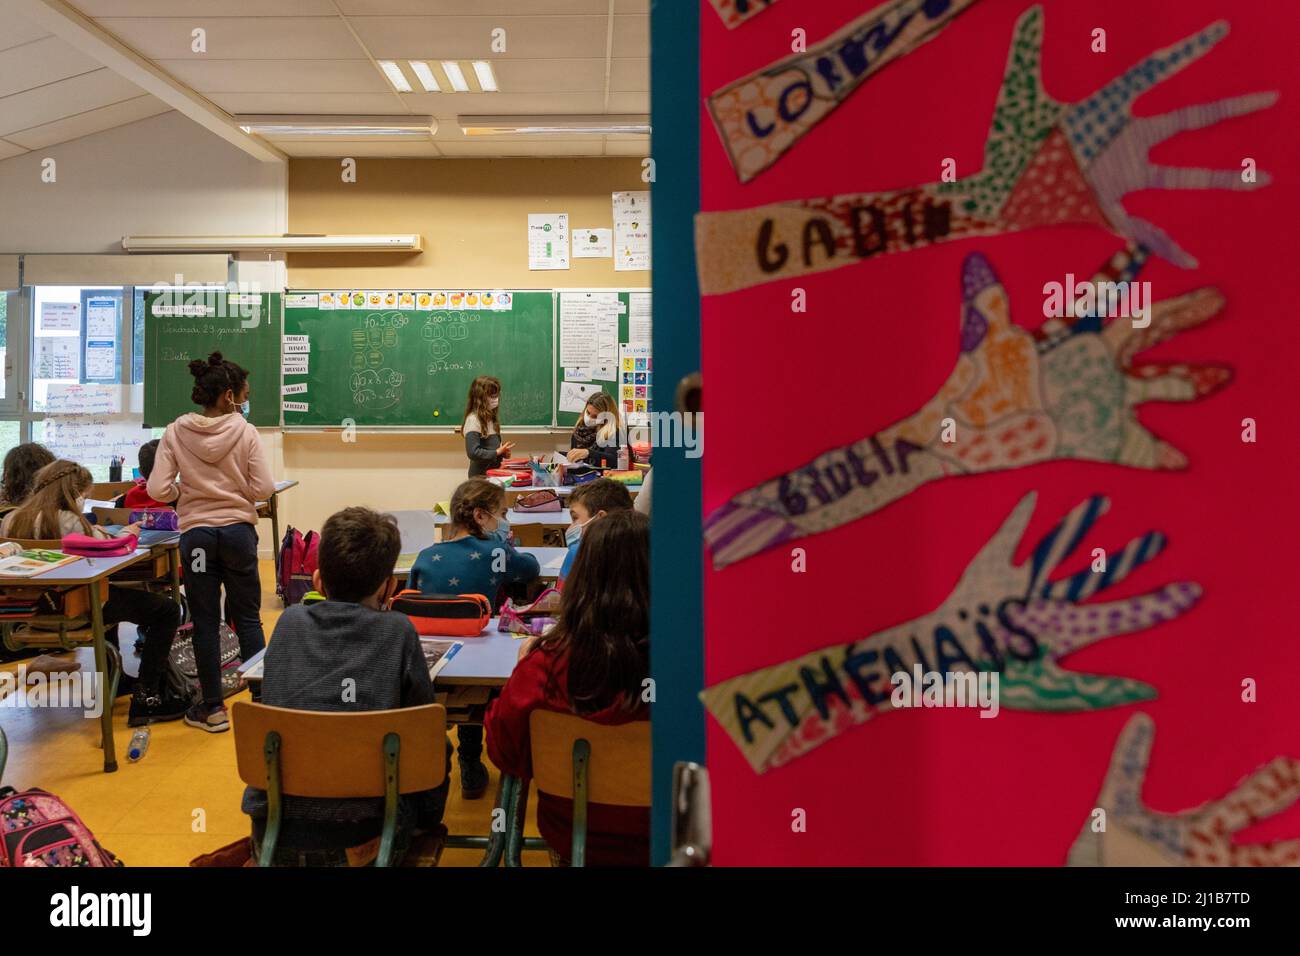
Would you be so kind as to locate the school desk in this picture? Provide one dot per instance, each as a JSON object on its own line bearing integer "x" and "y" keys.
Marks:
{"x": 562, "y": 490}
{"x": 93, "y": 574}
{"x": 419, "y": 529}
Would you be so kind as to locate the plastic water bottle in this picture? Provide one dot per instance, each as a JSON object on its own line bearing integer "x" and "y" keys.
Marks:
{"x": 138, "y": 745}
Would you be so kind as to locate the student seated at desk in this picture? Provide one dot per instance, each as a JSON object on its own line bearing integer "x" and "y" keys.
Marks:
{"x": 53, "y": 510}
{"x": 138, "y": 497}
{"x": 347, "y": 636}
{"x": 588, "y": 502}
{"x": 600, "y": 436}
{"x": 475, "y": 557}
{"x": 591, "y": 663}
{"x": 20, "y": 468}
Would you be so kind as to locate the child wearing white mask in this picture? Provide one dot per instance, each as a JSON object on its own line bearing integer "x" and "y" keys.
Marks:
{"x": 482, "y": 427}
{"x": 590, "y": 502}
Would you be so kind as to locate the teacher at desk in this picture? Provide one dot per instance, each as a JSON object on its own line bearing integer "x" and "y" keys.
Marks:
{"x": 482, "y": 428}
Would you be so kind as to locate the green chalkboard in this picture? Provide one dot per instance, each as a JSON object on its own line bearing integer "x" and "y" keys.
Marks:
{"x": 379, "y": 365}
{"x": 184, "y": 324}
{"x": 610, "y": 387}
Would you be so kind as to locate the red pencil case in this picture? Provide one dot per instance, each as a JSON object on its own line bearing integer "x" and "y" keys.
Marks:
{"x": 86, "y": 546}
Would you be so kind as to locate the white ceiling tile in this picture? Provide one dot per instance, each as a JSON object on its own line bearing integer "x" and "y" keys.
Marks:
{"x": 8, "y": 150}
{"x": 238, "y": 38}
{"x": 463, "y": 38}
{"x": 628, "y": 103}
{"x": 41, "y": 62}
{"x": 631, "y": 37}
{"x": 551, "y": 76}
{"x": 533, "y": 146}
{"x": 629, "y": 76}
{"x": 18, "y": 31}
{"x": 287, "y": 76}
{"x": 390, "y": 8}
{"x": 206, "y": 8}
{"x": 64, "y": 98}
{"x": 372, "y": 150}
{"x": 307, "y": 102}
{"x": 92, "y": 121}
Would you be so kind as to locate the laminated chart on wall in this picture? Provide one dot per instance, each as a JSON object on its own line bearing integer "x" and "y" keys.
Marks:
{"x": 635, "y": 383}
{"x": 1046, "y": 162}
{"x": 406, "y": 357}
{"x": 548, "y": 241}
{"x": 631, "y": 231}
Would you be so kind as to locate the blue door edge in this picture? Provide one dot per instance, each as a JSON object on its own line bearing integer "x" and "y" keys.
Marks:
{"x": 676, "y": 539}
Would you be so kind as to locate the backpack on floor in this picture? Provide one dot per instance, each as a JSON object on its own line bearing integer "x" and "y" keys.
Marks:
{"x": 298, "y": 560}
{"x": 39, "y": 829}
{"x": 182, "y": 672}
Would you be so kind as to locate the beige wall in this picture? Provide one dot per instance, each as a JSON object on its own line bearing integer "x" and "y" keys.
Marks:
{"x": 473, "y": 215}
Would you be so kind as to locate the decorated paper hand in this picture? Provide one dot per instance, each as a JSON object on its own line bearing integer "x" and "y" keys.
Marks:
{"x": 1016, "y": 398}
{"x": 1008, "y": 619}
{"x": 1137, "y": 836}
{"x": 1045, "y": 163}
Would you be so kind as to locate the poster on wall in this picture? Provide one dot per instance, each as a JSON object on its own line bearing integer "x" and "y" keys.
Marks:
{"x": 1025, "y": 391}
{"x": 593, "y": 243}
{"x": 631, "y": 231}
{"x": 548, "y": 241}
{"x": 101, "y": 338}
{"x": 60, "y": 317}
{"x": 635, "y": 379}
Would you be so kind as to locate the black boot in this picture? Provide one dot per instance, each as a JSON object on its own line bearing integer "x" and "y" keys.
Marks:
{"x": 154, "y": 708}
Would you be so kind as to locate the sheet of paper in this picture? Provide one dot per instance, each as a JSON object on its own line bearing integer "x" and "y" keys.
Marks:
{"x": 88, "y": 399}
{"x": 555, "y": 563}
{"x": 578, "y": 374}
{"x": 548, "y": 241}
{"x": 298, "y": 389}
{"x": 94, "y": 439}
{"x": 60, "y": 317}
{"x": 57, "y": 357}
{"x": 580, "y": 326}
{"x": 593, "y": 243}
{"x": 295, "y": 364}
{"x": 631, "y": 231}
{"x": 574, "y": 395}
{"x": 295, "y": 406}
{"x": 638, "y": 318}
{"x": 607, "y": 339}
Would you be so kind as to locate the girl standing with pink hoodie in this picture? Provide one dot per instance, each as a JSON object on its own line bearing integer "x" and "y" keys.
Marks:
{"x": 217, "y": 456}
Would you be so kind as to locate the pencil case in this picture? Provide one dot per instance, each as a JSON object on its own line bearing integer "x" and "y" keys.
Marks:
{"x": 156, "y": 519}
{"x": 86, "y": 546}
{"x": 444, "y": 615}
{"x": 502, "y": 476}
{"x": 544, "y": 499}
{"x": 629, "y": 477}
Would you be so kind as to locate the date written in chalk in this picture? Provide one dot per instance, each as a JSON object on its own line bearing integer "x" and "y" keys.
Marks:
{"x": 1184, "y": 899}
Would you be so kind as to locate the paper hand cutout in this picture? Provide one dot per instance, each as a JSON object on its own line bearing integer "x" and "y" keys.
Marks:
{"x": 1012, "y": 619}
{"x": 1138, "y": 836}
{"x": 1045, "y": 163}
{"x": 1016, "y": 398}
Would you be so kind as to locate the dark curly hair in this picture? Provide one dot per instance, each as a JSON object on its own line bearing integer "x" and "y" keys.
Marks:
{"x": 20, "y": 467}
{"x": 213, "y": 377}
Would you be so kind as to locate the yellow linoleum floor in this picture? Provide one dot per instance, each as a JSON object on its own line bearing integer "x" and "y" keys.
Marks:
{"x": 148, "y": 813}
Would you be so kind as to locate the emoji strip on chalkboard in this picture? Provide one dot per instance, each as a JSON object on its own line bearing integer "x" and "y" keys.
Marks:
{"x": 1045, "y": 163}
{"x": 1068, "y": 390}
{"x": 762, "y": 115}
{"x": 1012, "y": 621}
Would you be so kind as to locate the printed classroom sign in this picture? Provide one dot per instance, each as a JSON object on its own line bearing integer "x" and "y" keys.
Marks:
{"x": 924, "y": 398}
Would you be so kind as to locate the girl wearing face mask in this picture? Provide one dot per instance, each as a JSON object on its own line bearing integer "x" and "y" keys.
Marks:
{"x": 223, "y": 471}
{"x": 482, "y": 427}
{"x": 474, "y": 557}
{"x": 53, "y": 509}
{"x": 600, "y": 436}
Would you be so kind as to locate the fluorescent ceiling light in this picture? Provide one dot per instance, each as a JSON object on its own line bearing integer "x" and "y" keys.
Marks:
{"x": 395, "y": 75}
{"x": 425, "y": 75}
{"x": 455, "y": 76}
{"x": 487, "y": 80}
{"x": 301, "y": 243}
{"x": 600, "y": 124}
{"x": 300, "y": 125}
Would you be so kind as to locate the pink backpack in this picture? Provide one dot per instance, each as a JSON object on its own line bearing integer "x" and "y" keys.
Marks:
{"x": 298, "y": 560}
{"x": 39, "y": 829}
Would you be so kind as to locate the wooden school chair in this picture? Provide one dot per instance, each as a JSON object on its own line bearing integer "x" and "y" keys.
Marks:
{"x": 587, "y": 763}
{"x": 331, "y": 754}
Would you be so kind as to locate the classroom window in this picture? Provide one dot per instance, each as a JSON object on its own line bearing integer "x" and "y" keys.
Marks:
{"x": 80, "y": 373}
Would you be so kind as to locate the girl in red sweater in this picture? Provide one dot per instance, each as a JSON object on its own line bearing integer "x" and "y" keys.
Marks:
{"x": 591, "y": 663}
